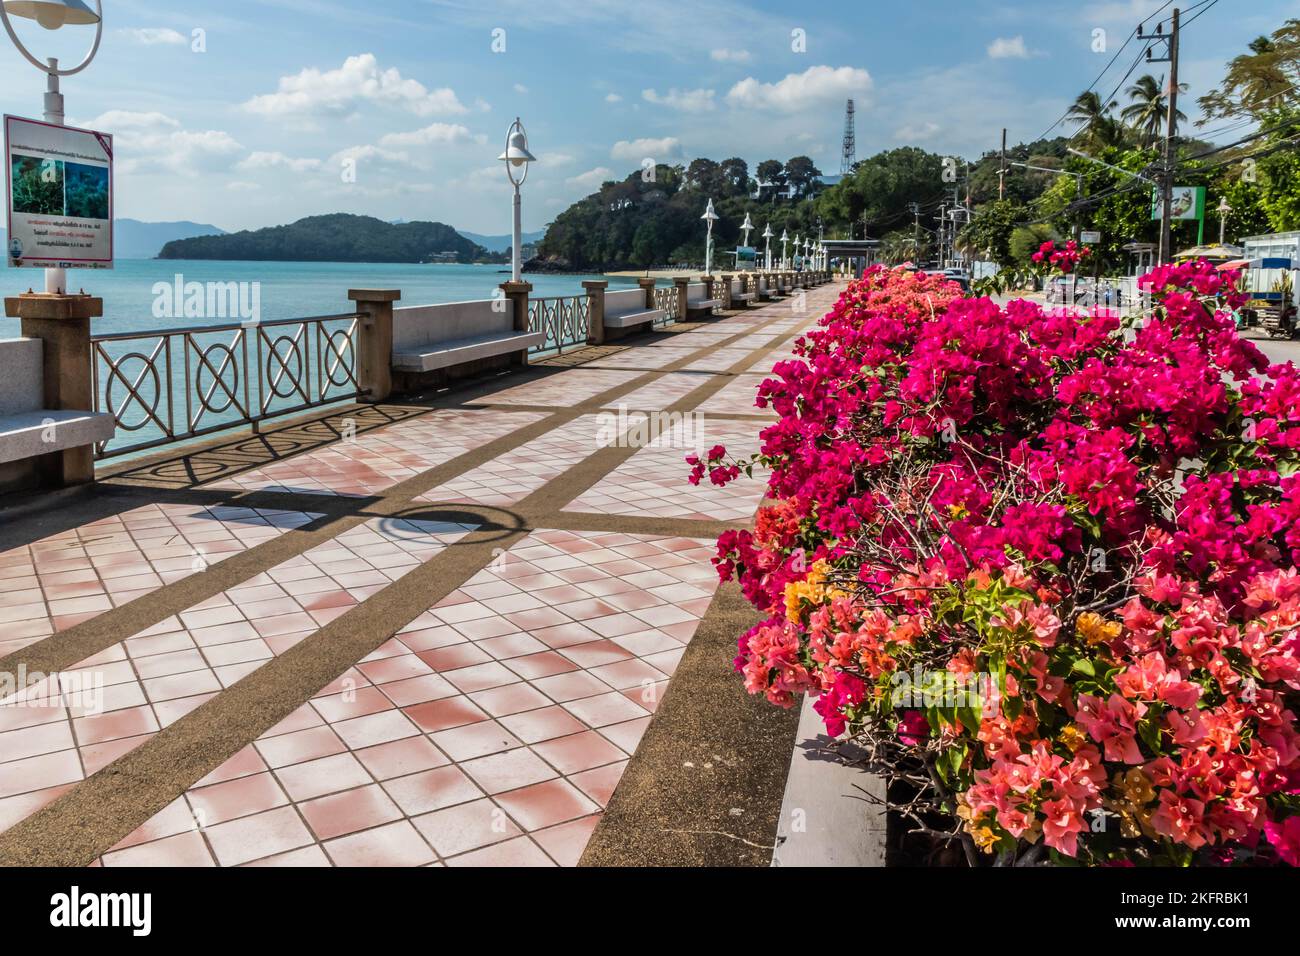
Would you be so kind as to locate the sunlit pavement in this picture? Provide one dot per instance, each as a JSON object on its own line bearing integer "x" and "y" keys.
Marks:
{"x": 437, "y": 643}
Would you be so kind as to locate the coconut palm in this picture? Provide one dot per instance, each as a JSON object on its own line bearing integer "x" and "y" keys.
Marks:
{"x": 1096, "y": 126}
{"x": 1149, "y": 107}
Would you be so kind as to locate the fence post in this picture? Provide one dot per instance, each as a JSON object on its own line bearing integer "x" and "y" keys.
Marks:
{"x": 374, "y": 345}
{"x": 648, "y": 286}
{"x": 681, "y": 283}
{"x": 726, "y": 292}
{"x": 595, "y": 310}
{"x": 517, "y": 293}
{"x": 62, "y": 323}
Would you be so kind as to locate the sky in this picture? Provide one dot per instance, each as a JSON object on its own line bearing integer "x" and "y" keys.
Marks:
{"x": 251, "y": 113}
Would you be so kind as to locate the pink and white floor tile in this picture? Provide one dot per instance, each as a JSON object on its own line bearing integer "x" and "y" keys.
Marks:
{"x": 511, "y": 477}
{"x": 59, "y": 731}
{"x": 644, "y": 359}
{"x": 662, "y": 392}
{"x": 375, "y": 461}
{"x": 492, "y": 730}
{"x": 736, "y": 398}
{"x": 653, "y": 481}
{"x": 562, "y": 389}
{"x": 70, "y": 577}
{"x": 720, "y": 360}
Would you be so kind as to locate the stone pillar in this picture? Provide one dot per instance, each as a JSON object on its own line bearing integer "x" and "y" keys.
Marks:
{"x": 595, "y": 310}
{"x": 375, "y": 341}
{"x": 517, "y": 293}
{"x": 648, "y": 286}
{"x": 726, "y": 291}
{"x": 681, "y": 284}
{"x": 62, "y": 323}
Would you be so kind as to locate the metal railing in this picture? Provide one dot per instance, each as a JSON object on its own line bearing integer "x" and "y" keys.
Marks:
{"x": 565, "y": 321}
{"x": 666, "y": 301}
{"x": 171, "y": 385}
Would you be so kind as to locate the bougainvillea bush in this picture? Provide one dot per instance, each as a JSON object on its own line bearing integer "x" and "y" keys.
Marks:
{"x": 1043, "y": 567}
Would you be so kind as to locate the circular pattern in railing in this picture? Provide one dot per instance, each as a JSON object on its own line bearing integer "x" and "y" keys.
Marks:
{"x": 277, "y": 367}
{"x": 220, "y": 377}
{"x": 338, "y": 357}
{"x": 120, "y": 371}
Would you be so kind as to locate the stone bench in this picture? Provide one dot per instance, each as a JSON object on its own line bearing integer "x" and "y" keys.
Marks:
{"x": 29, "y": 431}
{"x": 626, "y": 310}
{"x": 456, "y": 339}
{"x": 737, "y": 295}
{"x": 697, "y": 304}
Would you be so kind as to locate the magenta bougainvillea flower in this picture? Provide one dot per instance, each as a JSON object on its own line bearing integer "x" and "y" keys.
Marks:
{"x": 1100, "y": 517}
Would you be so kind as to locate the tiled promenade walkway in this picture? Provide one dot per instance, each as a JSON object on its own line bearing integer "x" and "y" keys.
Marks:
{"x": 416, "y": 633}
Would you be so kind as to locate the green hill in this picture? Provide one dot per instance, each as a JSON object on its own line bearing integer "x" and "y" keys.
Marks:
{"x": 338, "y": 237}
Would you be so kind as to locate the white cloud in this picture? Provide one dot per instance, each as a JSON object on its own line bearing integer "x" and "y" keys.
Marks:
{"x": 613, "y": 98}
{"x": 143, "y": 141}
{"x": 520, "y": 88}
{"x": 152, "y": 36}
{"x": 668, "y": 147}
{"x": 817, "y": 84}
{"x": 916, "y": 133}
{"x": 277, "y": 160}
{"x": 1008, "y": 48}
{"x": 339, "y": 92}
{"x": 373, "y": 155}
{"x": 592, "y": 178}
{"x": 688, "y": 101}
{"x": 730, "y": 56}
{"x": 435, "y": 134}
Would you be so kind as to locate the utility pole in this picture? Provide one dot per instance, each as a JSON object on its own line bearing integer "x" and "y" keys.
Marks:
{"x": 1171, "y": 124}
{"x": 1002, "y": 167}
{"x": 916, "y": 225}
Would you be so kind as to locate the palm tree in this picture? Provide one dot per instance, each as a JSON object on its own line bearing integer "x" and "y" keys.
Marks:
{"x": 1149, "y": 107}
{"x": 1094, "y": 120}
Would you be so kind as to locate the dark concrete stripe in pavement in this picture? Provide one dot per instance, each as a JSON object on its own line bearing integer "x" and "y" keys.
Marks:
{"x": 705, "y": 785}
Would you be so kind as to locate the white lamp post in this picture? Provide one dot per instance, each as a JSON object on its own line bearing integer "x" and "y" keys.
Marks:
{"x": 709, "y": 217}
{"x": 767, "y": 252}
{"x": 794, "y": 262}
{"x": 746, "y": 227}
{"x": 517, "y": 157}
{"x": 785, "y": 261}
{"x": 1223, "y": 209}
{"x": 52, "y": 14}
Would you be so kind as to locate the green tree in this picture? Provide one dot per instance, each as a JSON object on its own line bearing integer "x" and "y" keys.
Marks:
{"x": 1097, "y": 127}
{"x": 1149, "y": 108}
{"x": 801, "y": 173}
{"x": 989, "y": 233}
{"x": 771, "y": 177}
{"x": 1265, "y": 79}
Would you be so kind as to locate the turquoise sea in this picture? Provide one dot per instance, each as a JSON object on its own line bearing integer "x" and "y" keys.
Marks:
{"x": 288, "y": 289}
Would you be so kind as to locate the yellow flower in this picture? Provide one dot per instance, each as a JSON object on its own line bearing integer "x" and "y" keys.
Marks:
{"x": 1095, "y": 629}
{"x": 1073, "y": 737}
{"x": 984, "y": 838}
{"x": 811, "y": 589}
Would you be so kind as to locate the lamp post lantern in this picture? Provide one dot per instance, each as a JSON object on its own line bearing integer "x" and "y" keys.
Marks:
{"x": 785, "y": 262}
{"x": 1223, "y": 209}
{"x": 746, "y": 227}
{"x": 52, "y": 14}
{"x": 517, "y": 157}
{"x": 709, "y": 217}
{"x": 767, "y": 252}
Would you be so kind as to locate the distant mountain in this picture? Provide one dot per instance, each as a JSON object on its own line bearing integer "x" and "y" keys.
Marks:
{"x": 337, "y": 237}
{"x": 133, "y": 239}
{"x": 501, "y": 243}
